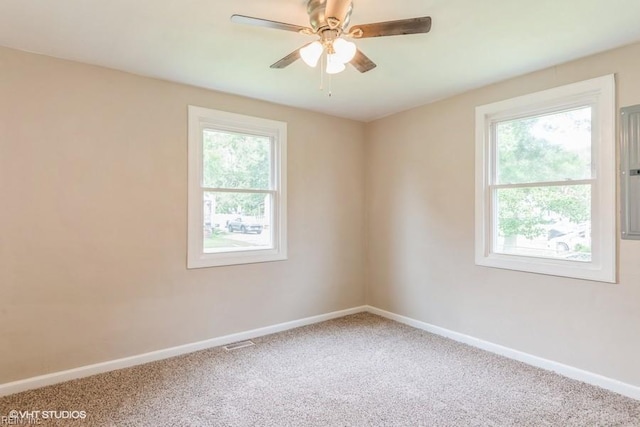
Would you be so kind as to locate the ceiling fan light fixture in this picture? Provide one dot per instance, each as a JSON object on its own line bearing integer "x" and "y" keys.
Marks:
{"x": 311, "y": 53}
{"x": 329, "y": 20}
{"x": 334, "y": 64}
{"x": 345, "y": 50}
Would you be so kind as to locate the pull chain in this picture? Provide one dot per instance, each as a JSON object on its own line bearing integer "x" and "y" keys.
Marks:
{"x": 322, "y": 65}
{"x": 324, "y": 76}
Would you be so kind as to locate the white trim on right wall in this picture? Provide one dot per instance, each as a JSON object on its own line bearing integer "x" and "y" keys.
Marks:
{"x": 611, "y": 384}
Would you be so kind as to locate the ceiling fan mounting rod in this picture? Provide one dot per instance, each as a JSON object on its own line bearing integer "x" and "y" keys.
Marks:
{"x": 336, "y": 17}
{"x": 328, "y": 36}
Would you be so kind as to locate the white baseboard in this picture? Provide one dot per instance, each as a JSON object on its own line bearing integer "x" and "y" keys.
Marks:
{"x": 98, "y": 368}
{"x": 549, "y": 365}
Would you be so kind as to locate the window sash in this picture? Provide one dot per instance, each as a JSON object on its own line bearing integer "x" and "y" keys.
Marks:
{"x": 494, "y": 214}
{"x": 273, "y": 232}
{"x": 559, "y": 107}
{"x": 237, "y": 190}
{"x": 545, "y": 183}
{"x": 273, "y": 181}
{"x": 493, "y": 186}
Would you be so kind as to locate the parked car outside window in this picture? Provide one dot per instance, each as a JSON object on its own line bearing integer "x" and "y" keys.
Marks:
{"x": 576, "y": 239}
{"x": 244, "y": 225}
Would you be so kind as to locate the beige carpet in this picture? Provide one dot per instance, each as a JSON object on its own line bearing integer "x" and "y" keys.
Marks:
{"x": 360, "y": 370}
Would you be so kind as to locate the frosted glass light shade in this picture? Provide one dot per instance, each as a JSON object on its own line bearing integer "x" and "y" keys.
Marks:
{"x": 345, "y": 50}
{"x": 311, "y": 54}
{"x": 334, "y": 64}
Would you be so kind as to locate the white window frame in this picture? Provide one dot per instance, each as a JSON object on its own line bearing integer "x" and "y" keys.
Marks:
{"x": 204, "y": 118}
{"x": 599, "y": 93}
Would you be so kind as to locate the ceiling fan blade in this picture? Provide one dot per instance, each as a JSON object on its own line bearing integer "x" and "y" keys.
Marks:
{"x": 259, "y": 22}
{"x": 362, "y": 63}
{"x": 289, "y": 59}
{"x": 392, "y": 28}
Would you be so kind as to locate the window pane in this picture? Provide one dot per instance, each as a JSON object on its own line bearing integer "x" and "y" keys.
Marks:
{"x": 553, "y": 147}
{"x": 237, "y": 221}
{"x": 549, "y": 222}
{"x": 233, "y": 160}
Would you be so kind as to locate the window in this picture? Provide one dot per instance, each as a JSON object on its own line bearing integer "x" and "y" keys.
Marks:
{"x": 545, "y": 182}
{"x": 237, "y": 189}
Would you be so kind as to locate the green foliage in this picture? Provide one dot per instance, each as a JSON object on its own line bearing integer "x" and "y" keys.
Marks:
{"x": 240, "y": 203}
{"x": 525, "y": 211}
{"x": 231, "y": 161}
{"x": 582, "y": 248}
{"x": 523, "y": 157}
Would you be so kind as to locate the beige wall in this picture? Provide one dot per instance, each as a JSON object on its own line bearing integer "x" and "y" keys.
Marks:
{"x": 93, "y": 174}
{"x": 93, "y": 202}
{"x": 420, "y": 206}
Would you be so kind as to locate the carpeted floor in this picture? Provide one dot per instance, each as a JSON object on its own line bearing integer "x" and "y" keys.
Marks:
{"x": 360, "y": 370}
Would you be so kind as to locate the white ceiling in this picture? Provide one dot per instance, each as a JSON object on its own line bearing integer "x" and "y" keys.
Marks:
{"x": 471, "y": 43}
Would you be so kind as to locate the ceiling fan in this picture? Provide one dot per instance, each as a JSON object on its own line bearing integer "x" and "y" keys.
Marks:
{"x": 329, "y": 20}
